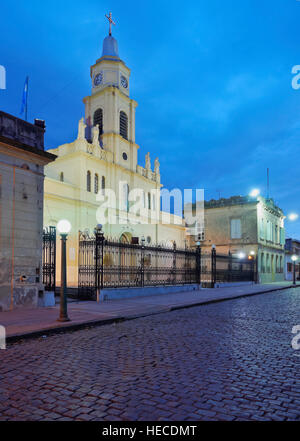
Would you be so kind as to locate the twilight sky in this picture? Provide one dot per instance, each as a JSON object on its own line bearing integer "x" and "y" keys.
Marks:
{"x": 212, "y": 79}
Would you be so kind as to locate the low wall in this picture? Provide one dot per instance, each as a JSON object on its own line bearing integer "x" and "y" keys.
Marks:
{"x": 229, "y": 284}
{"x": 124, "y": 293}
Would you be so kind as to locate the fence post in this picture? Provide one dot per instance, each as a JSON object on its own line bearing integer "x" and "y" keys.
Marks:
{"x": 255, "y": 268}
{"x": 143, "y": 262}
{"x": 174, "y": 262}
{"x": 229, "y": 278}
{"x": 49, "y": 259}
{"x": 99, "y": 239}
{"x": 213, "y": 266}
{"x": 198, "y": 264}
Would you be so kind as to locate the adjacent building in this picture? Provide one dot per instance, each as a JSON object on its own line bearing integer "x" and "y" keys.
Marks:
{"x": 292, "y": 248}
{"x": 244, "y": 225}
{"x": 22, "y": 161}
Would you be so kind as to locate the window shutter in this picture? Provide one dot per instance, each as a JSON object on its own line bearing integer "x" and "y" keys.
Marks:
{"x": 123, "y": 125}
{"x": 98, "y": 120}
{"x": 236, "y": 229}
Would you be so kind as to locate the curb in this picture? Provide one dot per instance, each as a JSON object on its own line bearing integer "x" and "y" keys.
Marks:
{"x": 93, "y": 323}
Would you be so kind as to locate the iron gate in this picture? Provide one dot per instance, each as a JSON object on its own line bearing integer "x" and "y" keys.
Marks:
{"x": 49, "y": 258}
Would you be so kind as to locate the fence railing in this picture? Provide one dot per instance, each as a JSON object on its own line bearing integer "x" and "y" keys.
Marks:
{"x": 112, "y": 264}
{"x": 49, "y": 258}
{"x": 226, "y": 268}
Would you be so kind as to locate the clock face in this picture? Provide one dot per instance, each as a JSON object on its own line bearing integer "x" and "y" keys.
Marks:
{"x": 98, "y": 79}
{"x": 124, "y": 82}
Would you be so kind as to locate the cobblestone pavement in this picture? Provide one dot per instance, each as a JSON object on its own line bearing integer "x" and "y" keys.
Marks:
{"x": 225, "y": 361}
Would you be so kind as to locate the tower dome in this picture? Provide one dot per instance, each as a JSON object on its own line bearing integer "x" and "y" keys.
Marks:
{"x": 110, "y": 47}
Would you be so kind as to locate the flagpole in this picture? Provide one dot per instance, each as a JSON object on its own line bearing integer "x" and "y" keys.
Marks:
{"x": 26, "y": 106}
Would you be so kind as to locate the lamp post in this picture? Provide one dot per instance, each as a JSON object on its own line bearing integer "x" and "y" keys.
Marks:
{"x": 63, "y": 227}
{"x": 294, "y": 260}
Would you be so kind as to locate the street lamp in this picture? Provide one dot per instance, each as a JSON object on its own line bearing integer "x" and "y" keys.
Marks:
{"x": 63, "y": 227}
{"x": 293, "y": 216}
{"x": 294, "y": 260}
{"x": 254, "y": 193}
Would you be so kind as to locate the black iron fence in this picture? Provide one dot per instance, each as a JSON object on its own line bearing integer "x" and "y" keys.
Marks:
{"x": 112, "y": 264}
{"x": 49, "y": 258}
{"x": 226, "y": 268}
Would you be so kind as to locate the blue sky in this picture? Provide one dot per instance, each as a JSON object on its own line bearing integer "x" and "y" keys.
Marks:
{"x": 212, "y": 79}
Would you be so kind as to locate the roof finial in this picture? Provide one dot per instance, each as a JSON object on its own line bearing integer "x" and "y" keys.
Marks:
{"x": 109, "y": 17}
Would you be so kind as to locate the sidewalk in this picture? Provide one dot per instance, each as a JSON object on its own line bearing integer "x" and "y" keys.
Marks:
{"x": 22, "y": 323}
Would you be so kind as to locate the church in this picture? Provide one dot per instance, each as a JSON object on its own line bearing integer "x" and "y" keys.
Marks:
{"x": 105, "y": 157}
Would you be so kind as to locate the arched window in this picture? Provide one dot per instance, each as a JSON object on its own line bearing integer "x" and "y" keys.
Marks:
{"x": 96, "y": 184}
{"x": 88, "y": 181}
{"x": 123, "y": 125}
{"x": 61, "y": 177}
{"x": 103, "y": 184}
{"x": 98, "y": 120}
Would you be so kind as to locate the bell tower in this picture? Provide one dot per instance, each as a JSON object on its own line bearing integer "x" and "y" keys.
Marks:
{"x": 110, "y": 107}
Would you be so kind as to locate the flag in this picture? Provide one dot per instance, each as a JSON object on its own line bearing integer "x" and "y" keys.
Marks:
{"x": 24, "y": 98}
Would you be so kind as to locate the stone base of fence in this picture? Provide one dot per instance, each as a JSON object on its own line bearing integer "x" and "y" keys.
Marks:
{"x": 229, "y": 284}
{"x": 47, "y": 299}
{"x": 124, "y": 293}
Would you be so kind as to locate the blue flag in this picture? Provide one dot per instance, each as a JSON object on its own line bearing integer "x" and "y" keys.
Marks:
{"x": 24, "y": 98}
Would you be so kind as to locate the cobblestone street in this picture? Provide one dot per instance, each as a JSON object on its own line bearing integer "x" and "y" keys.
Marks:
{"x": 225, "y": 361}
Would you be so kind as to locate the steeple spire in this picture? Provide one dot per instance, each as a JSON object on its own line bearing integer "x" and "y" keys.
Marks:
{"x": 109, "y": 17}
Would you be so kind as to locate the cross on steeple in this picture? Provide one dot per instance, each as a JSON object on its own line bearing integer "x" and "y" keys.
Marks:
{"x": 109, "y": 17}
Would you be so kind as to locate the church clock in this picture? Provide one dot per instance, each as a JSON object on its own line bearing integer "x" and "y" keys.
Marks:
{"x": 124, "y": 82}
{"x": 98, "y": 79}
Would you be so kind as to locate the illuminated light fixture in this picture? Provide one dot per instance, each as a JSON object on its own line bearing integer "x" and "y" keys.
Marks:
{"x": 252, "y": 253}
{"x": 294, "y": 258}
{"x": 255, "y": 192}
{"x": 64, "y": 226}
{"x": 293, "y": 216}
{"x": 241, "y": 255}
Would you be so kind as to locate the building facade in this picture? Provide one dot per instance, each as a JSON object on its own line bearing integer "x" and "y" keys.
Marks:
{"x": 246, "y": 226}
{"x": 22, "y": 161}
{"x": 292, "y": 247}
{"x": 103, "y": 159}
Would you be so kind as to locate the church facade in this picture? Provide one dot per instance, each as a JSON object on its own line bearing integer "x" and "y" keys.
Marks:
{"x": 103, "y": 162}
